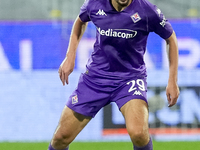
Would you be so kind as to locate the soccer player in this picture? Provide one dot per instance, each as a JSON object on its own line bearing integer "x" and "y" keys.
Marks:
{"x": 115, "y": 71}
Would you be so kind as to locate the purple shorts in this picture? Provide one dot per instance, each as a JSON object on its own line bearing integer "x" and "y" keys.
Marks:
{"x": 87, "y": 100}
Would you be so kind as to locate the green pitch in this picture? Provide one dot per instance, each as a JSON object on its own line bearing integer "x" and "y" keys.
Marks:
{"x": 101, "y": 146}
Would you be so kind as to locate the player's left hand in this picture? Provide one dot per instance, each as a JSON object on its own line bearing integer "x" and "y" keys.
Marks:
{"x": 172, "y": 92}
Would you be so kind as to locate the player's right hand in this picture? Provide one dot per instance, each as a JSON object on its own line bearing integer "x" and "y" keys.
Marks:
{"x": 65, "y": 69}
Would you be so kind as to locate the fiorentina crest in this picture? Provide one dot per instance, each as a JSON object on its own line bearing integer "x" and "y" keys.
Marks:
{"x": 75, "y": 99}
{"x": 135, "y": 17}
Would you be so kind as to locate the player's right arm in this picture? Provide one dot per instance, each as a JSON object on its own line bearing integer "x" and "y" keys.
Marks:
{"x": 67, "y": 66}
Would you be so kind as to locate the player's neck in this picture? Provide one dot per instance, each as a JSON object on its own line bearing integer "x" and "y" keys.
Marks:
{"x": 120, "y": 5}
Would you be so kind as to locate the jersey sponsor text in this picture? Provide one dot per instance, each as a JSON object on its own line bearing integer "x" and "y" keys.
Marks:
{"x": 121, "y": 33}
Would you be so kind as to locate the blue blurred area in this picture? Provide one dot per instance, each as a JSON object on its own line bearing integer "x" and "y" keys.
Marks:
{"x": 48, "y": 44}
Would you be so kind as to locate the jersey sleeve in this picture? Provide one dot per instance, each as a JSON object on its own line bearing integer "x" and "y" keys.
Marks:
{"x": 83, "y": 15}
{"x": 158, "y": 23}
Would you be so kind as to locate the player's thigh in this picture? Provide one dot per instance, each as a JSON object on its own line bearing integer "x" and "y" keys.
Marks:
{"x": 135, "y": 113}
{"x": 70, "y": 124}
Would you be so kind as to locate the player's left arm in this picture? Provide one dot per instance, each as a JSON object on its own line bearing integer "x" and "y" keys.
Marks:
{"x": 172, "y": 89}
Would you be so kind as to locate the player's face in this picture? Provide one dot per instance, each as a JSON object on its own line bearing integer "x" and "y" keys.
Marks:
{"x": 123, "y": 3}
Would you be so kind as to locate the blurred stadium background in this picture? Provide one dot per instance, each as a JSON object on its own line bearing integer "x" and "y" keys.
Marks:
{"x": 34, "y": 35}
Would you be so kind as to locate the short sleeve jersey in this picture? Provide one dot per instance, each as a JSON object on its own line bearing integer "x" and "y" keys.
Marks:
{"x": 121, "y": 38}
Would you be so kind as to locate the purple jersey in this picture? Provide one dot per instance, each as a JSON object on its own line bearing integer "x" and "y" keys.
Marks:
{"x": 121, "y": 39}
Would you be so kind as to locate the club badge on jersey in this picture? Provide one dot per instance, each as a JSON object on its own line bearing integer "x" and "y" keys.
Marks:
{"x": 136, "y": 17}
{"x": 75, "y": 99}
